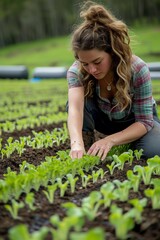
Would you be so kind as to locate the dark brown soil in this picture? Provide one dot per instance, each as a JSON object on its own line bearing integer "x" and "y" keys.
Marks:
{"x": 149, "y": 229}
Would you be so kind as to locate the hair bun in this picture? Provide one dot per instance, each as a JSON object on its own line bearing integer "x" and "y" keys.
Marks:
{"x": 93, "y": 13}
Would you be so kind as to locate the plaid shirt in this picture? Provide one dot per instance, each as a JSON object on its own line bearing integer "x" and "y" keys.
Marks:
{"x": 141, "y": 94}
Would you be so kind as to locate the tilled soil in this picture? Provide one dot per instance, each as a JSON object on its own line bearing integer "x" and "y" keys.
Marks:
{"x": 149, "y": 229}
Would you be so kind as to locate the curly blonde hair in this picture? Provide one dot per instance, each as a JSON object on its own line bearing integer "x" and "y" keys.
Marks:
{"x": 103, "y": 31}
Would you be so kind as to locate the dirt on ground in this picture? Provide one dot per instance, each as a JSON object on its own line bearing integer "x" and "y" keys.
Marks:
{"x": 149, "y": 229}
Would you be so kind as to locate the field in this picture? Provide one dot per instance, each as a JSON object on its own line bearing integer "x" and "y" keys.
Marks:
{"x": 38, "y": 110}
{"x": 45, "y": 195}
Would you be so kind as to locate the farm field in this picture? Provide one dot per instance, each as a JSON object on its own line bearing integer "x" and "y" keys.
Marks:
{"x": 46, "y": 195}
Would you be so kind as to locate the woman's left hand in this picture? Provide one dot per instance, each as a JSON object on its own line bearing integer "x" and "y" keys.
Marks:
{"x": 101, "y": 148}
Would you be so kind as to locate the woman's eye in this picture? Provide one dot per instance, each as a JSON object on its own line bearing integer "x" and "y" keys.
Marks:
{"x": 97, "y": 63}
{"x": 85, "y": 64}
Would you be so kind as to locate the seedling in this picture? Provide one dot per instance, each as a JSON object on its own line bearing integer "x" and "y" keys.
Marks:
{"x": 50, "y": 192}
{"x": 108, "y": 193}
{"x": 14, "y": 208}
{"x": 136, "y": 212}
{"x": 134, "y": 180}
{"x": 123, "y": 223}
{"x": 72, "y": 181}
{"x": 20, "y": 232}
{"x": 145, "y": 172}
{"x": 29, "y": 200}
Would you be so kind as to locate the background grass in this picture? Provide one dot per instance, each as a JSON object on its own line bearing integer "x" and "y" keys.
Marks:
{"x": 57, "y": 51}
{"x": 146, "y": 41}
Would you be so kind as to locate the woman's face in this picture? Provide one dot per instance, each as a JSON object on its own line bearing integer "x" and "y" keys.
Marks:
{"x": 96, "y": 62}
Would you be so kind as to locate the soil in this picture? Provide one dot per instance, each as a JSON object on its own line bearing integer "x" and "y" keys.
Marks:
{"x": 149, "y": 229}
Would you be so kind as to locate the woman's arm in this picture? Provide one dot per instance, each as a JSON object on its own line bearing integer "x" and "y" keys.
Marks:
{"x": 128, "y": 135}
{"x": 75, "y": 120}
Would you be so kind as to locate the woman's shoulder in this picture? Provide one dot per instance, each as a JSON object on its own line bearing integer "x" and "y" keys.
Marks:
{"x": 138, "y": 64}
{"x": 74, "y": 67}
{"x": 140, "y": 71}
{"x": 74, "y": 75}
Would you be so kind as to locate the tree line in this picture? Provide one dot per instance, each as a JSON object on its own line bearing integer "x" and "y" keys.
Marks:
{"x": 26, "y": 20}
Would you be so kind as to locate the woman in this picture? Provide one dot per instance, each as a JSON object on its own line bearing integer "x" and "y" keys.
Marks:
{"x": 109, "y": 89}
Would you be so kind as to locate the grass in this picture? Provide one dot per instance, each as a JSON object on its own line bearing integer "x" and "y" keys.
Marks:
{"x": 146, "y": 42}
{"x": 47, "y": 52}
{"x": 57, "y": 51}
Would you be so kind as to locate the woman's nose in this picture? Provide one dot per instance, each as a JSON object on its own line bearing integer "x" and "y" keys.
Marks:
{"x": 92, "y": 69}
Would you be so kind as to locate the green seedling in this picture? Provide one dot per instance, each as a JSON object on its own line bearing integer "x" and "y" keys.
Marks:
{"x": 14, "y": 208}
{"x": 154, "y": 193}
{"x": 134, "y": 180}
{"x": 155, "y": 164}
{"x": 122, "y": 190}
{"x": 50, "y": 192}
{"x": 145, "y": 172}
{"x": 139, "y": 205}
{"x": 63, "y": 186}
{"x": 93, "y": 234}
{"x": 29, "y": 200}
{"x": 91, "y": 204}
{"x": 20, "y": 232}
{"x": 108, "y": 193}
{"x": 123, "y": 223}
{"x": 138, "y": 154}
{"x": 72, "y": 181}
{"x": 113, "y": 166}
{"x": 96, "y": 174}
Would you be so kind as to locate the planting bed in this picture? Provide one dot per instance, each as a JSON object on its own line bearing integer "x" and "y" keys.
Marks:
{"x": 148, "y": 229}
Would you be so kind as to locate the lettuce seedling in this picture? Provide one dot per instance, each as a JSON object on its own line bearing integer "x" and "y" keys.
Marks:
{"x": 14, "y": 208}
{"x": 134, "y": 180}
{"x": 85, "y": 179}
{"x": 138, "y": 154}
{"x": 108, "y": 193}
{"x": 4, "y": 191}
{"x": 74, "y": 210}
{"x": 121, "y": 159}
{"x": 29, "y": 200}
{"x": 145, "y": 172}
{"x": 113, "y": 166}
{"x": 91, "y": 204}
{"x": 122, "y": 191}
{"x": 154, "y": 163}
{"x": 72, "y": 181}
{"x": 154, "y": 193}
{"x": 50, "y": 192}
{"x": 96, "y": 174}
{"x": 14, "y": 183}
{"x": 122, "y": 222}
{"x": 139, "y": 205}
{"x": 63, "y": 226}
{"x": 20, "y": 232}
{"x": 63, "y": 186}
{"x": 96, "y": 233}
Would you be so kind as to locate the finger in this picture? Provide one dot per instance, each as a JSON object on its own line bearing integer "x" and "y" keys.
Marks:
{"x": 90, "y": 150}
{"x": 100, "y": 152}
{"x": 93, "y": 151}
{"x": 76, "y": 154}
{"x": 80, "y": 154}
{"x": 105, "y": 154}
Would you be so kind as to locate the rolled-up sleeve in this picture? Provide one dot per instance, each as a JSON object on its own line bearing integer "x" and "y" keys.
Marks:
{"x": 143, "y": 100}
{"x": 73, "y": 76}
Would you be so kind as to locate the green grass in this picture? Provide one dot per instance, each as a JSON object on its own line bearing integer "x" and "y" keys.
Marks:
{"x": 48, "y": 52}
{"x": 57, "y": 51}
{"x": 146, "y": 41}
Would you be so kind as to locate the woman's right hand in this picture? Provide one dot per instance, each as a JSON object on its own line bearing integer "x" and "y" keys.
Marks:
{"x": 77, "y": 150}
